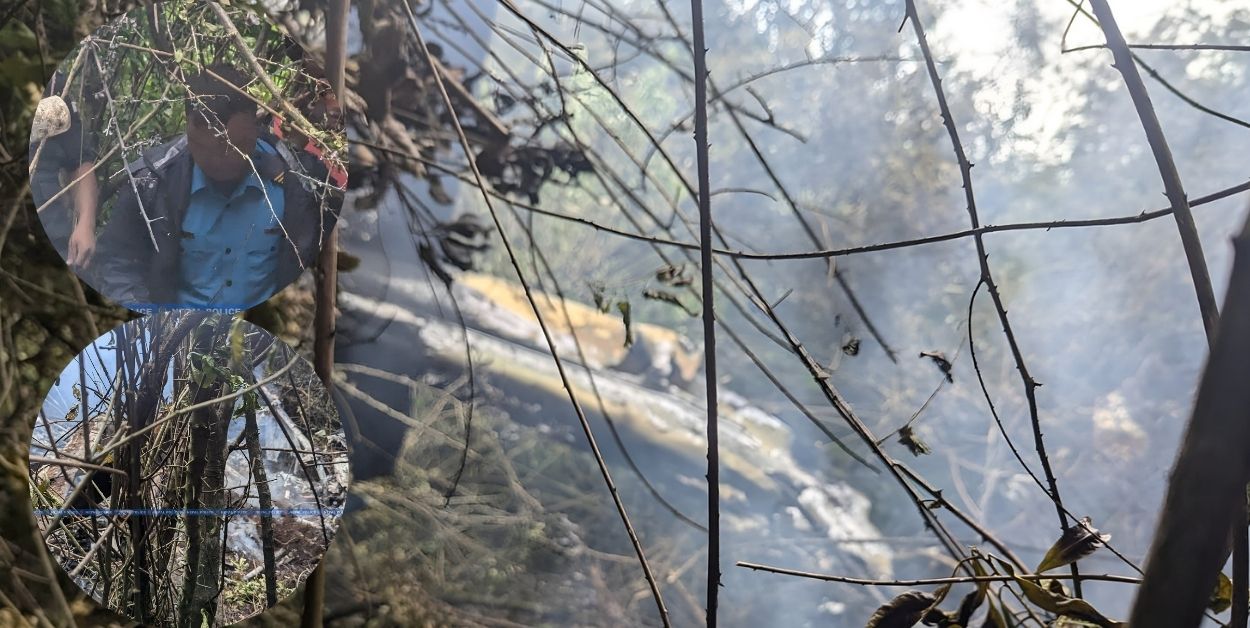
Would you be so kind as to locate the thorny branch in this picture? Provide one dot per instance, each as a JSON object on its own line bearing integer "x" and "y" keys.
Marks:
{"x": 926, "y": 581}
{"x": 709, "y": 316}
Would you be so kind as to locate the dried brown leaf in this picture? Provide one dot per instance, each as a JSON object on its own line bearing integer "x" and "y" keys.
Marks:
{"x": 1077, "y": 542}
{"x": 1061, "y": 605}
{"x": 904, "y": 611}
{"x": 1222, "y": 596}
{"x": 667, "y": 297}
{"x": 851, "y": 347}
{"x": 907, "y": 436}
{"x": 346, "y": 262}
{"x": 942, "y": 363}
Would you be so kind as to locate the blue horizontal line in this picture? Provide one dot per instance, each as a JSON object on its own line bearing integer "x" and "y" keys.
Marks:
{"x": 149, "y": 308}
{"x": 189, "y": 512}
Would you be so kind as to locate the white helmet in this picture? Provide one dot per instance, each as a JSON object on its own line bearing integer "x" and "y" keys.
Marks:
{"x": 51, "y": 118}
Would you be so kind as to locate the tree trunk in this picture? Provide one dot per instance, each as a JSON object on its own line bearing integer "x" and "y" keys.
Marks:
{"x": 207, "y": 480}
{"x": 1207, "y": 490}
{"x": 261, "y": 480}
{"x": 327, "y": 282}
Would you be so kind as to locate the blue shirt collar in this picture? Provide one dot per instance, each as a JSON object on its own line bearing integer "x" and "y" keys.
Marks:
{"x": 199, "y": 180}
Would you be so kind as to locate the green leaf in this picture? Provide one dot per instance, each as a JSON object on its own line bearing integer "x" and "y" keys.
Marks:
{"x": 204, "y": 371}
{"x": 1077, "y": 542}
{"x": 624, "y": 309}
{"x": 251, "y": 400}
{"x": 236, "y": 344}
{"x": 1222, "y": 596}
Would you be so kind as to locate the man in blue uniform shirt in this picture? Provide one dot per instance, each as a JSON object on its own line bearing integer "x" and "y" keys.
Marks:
{"x": 223, "y": 217}
{"x": 230, "y": 230}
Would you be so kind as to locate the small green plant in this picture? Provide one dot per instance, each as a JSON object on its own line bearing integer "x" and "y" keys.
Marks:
{"x": 240, "y": 593}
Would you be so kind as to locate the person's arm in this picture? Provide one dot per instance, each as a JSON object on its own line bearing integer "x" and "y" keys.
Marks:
{"x": 86, "y": 196}
{"x": 125, "y": 253}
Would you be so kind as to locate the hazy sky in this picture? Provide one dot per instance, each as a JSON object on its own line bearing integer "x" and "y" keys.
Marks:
{"x": 978, "y": 38}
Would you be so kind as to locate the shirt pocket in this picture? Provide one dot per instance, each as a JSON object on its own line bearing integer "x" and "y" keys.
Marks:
{"x": 201, "y": 270}
{"x": 263, "y": 248}
{"x": 199, "y": 255}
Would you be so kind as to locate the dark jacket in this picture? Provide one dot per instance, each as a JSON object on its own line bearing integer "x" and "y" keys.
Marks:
{"x": 130, "y": 270}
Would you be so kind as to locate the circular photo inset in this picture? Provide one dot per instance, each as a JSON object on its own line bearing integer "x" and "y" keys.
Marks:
{"x": 188, "y": 469}
{"x": 188, "y": 157}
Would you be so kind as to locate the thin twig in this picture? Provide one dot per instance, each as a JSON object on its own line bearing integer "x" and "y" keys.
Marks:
{"x": 810, "y": 231}
{"x": 709, "y": 316}
{"x": 927, "y": 581}
{"x": 1144, "y": 216}
{"x": 134, "y": 186}
{"x": 987, "y": 277}
{"x": 1172, "y": 184}
{"x": 1154, "y": 74}
{"x": 1224, "y": 47}
{"x": 1190, "y": 241}
{"x": 986, "y": 535}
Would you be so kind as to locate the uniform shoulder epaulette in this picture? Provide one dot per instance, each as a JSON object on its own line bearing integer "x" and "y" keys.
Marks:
{"x": 271, "y": 167}
{"x": 155, "y": 160}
